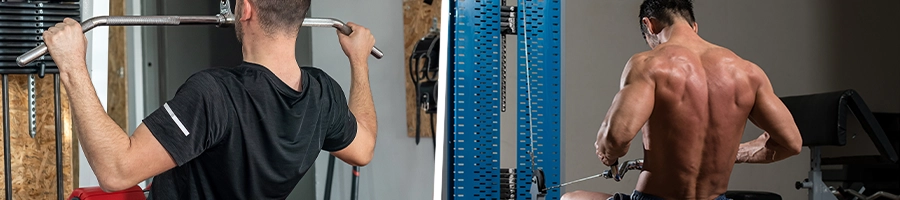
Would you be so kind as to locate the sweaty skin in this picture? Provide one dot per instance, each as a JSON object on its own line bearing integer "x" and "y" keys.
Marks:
{"x": 703, "y": 96}
{"x": 692, "y": 99}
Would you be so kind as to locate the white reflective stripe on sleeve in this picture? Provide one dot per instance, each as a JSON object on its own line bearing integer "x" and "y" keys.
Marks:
{"x": 177, "y": 122}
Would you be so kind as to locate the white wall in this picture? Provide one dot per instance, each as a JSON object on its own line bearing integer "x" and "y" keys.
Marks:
{"x": 805, "y": 46}
{"x": 134, "y": 50}
{"x": 97, "y": 62}
{"x": 400, "y": 169}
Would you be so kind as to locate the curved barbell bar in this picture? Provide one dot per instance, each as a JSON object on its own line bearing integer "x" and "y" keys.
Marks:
{"x": 220, "y": 20}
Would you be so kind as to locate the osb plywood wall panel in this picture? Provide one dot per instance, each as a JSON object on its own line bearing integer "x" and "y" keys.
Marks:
{"x": 417, "y": 22}
{"x": 33, "y": 160}
{"x": 117, "y": 104}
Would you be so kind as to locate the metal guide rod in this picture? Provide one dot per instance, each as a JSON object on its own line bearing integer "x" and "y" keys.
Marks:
{"x": 329, "y": 178}
{"x": 6, "y": 155}
{"x": 224, "y": 19}
{"x": 59, "y": 153}
{"x": 354, "y": 185}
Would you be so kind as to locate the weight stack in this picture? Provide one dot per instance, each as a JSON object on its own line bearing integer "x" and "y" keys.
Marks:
{"x": 22, "y": 24}
{"x": 30, "y": 146}
{"x": 507, "y": 183}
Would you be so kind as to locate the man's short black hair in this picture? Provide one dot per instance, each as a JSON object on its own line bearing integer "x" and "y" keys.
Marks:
{"x": 281, "y": 15}
{"x": 665, "y": 10}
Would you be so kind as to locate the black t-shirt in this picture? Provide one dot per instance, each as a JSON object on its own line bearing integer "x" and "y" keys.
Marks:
{"x": 242, "y": 133}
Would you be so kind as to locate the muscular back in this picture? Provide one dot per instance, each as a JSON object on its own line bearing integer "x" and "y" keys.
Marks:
{"x": 703, "y": 95}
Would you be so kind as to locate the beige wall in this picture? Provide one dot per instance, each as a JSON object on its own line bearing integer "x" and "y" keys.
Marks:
{"x": 805, "y": 46}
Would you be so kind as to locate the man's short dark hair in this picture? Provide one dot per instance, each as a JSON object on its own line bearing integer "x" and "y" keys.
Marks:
{"x": 665, "y": 10}
{"x": 281, "y": 15}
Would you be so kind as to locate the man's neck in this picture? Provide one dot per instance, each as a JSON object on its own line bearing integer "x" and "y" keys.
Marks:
{"x": 680, "y": 31}
{"x": 275, "y": 53}
{"x": 271, "y": 52}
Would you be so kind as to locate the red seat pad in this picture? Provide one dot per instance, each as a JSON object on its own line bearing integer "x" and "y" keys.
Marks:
{"x": 95, "y": 193}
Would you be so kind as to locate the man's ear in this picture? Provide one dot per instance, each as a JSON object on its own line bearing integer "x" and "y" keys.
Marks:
{"x": 246, "y": 10}
{"x": 648, "y": 25}
{"x": 696, "y": 28}
{"x": 651, "y": 25}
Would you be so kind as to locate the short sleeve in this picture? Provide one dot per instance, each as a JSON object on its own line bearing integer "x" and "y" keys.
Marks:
{"x": 194, "y": 120}
{"x": 342, "y": 127}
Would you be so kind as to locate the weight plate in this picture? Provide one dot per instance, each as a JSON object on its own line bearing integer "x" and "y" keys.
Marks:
{"x": 36, "y": 38}
{"x": 20, "y": 44}
{"x": 40, "y": 5}
{"x": 13, "y": 51}
{"x": 43, "y": 25}
{"x": 34, "y": 31}
{"x": 33, "y": 12}
{"x": 34, "y": 18}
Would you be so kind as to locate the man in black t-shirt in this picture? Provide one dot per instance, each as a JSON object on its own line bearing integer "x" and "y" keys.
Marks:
{"x": 248, "y": 132}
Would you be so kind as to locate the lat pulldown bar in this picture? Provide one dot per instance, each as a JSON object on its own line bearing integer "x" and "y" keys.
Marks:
{"x": 224, "y": 19}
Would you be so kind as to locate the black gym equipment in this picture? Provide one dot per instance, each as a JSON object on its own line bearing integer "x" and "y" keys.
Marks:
{"x": 508, "y": 183}
{"x": 822, "y": 120}
{"x": 423, "y": 72}
{"x": 21, "y": 26}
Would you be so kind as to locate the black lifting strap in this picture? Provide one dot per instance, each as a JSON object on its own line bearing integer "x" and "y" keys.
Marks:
{"x": 423, "y": 67}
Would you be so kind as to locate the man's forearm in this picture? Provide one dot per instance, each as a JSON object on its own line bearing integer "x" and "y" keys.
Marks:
{"x": 609, "y": 146}
{"x": 361, "y": 103}
{"x": 761, "y": 150}
{"x": 101, "y": 139}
